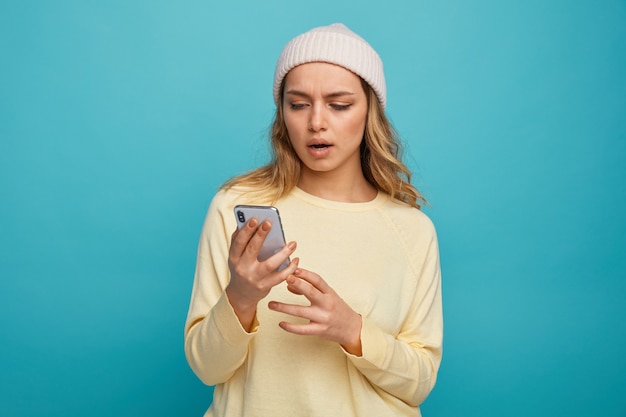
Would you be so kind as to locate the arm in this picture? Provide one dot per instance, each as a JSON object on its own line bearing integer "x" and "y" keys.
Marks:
{"x": 215, "y": 345}
{"x": 403, "y": 365}
{"x": 406, "y": 365}
{"x": 228, "y": 283}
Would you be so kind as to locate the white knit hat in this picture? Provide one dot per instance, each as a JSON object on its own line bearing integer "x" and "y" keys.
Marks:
{"x": 335, "y": 44}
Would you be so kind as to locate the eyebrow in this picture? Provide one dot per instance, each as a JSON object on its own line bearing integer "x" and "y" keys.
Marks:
{"x": 329, "y": 95}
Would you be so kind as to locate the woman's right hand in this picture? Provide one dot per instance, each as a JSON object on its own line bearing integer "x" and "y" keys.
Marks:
{"x": 251, "y": 280}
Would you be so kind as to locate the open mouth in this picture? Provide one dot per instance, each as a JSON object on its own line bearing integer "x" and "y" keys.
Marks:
{"x": 320, "y": 146}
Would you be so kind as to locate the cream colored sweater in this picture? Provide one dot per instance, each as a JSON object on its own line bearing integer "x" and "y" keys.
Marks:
{"x": 381, "y": 257}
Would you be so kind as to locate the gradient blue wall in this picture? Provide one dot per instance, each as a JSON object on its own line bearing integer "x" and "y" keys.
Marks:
{"x": 119, "y": 119}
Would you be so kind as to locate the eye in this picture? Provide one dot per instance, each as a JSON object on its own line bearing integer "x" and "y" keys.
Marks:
{"x": 340, "y": 106}
{"x": 297, "y": 106}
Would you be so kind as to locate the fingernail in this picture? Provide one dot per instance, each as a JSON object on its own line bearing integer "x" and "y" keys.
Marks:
{"x": 252, "y": 223}
{"x": 266, "y": 226}
{"x": 292, "y": 245}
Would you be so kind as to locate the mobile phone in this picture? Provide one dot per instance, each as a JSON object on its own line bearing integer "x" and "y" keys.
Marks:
{"x": 275, "y": 240}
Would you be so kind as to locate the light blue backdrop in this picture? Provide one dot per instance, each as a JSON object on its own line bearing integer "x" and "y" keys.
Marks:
{"x": 119, "y": 119}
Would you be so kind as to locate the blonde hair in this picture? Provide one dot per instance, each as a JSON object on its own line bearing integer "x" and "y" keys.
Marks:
{"x": 380, "y": 160}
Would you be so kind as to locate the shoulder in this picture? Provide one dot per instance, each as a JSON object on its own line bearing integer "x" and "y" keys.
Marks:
{"x": 220, "y": 216}
{"x": 404, "y": 213}
{"x": 410, "y": 222}
{"x": 222, "y": 205}
{"x": 227, "y": 198}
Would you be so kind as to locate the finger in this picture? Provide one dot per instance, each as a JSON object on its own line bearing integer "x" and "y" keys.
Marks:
{"x": 313, "y": 279}
{"x": 299, "y": 286}
{"x": 253, "y": 248}
{"x": 277, "y": 277}
{"x": 307, "y": 329}
{"x": 273, "y": 262}
{"x": 241, "y": 237}
{"x": 296, "y": 310}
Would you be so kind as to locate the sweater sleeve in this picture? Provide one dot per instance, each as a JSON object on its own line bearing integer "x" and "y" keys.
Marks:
{"x": 405, "y": 365}
{"x": 216, "y": 344}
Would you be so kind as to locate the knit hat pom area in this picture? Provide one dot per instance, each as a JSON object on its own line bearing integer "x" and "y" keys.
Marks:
{"x": 335, "y": 44}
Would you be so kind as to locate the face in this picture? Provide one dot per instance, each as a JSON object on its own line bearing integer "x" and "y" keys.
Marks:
{"x": 325, "y": 110}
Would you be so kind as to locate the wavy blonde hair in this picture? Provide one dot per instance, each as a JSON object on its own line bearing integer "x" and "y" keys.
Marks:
{"x": 381, "y": 153}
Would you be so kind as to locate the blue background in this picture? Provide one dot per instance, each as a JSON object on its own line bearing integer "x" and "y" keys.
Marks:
{"x": 119, "y": 119}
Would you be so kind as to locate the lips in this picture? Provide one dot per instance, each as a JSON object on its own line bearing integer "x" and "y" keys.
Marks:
{"x": 318, "y": 143}
{"x": 319, "y": 148}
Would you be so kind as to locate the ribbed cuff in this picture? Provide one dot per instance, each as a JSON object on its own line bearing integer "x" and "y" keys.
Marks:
{"x": 374, "y": 347}
{"x": 229, "y": 325}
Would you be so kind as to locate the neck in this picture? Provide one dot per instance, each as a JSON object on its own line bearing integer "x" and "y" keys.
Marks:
{"x": 348, "y": 189}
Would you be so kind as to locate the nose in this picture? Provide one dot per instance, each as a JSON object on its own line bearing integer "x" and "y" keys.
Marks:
{"x": 317, "y": 119}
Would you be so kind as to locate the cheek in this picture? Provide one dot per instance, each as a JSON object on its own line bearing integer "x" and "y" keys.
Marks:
{"x": 296, "y": 130}
{"x": 289, "y": 120}
{"x": 356, "y": 126}
{"x": 293, "y": 133}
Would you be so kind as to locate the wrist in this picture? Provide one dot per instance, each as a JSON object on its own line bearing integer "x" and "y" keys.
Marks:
{"x": 244, "y": 309}
{"x": 353, "y": 344}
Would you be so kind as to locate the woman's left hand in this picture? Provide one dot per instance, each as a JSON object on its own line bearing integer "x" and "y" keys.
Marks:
{"x": 329, "y": 316}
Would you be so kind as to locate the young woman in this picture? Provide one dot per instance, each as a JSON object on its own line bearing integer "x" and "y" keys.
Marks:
{"x": 353, "y": 325}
